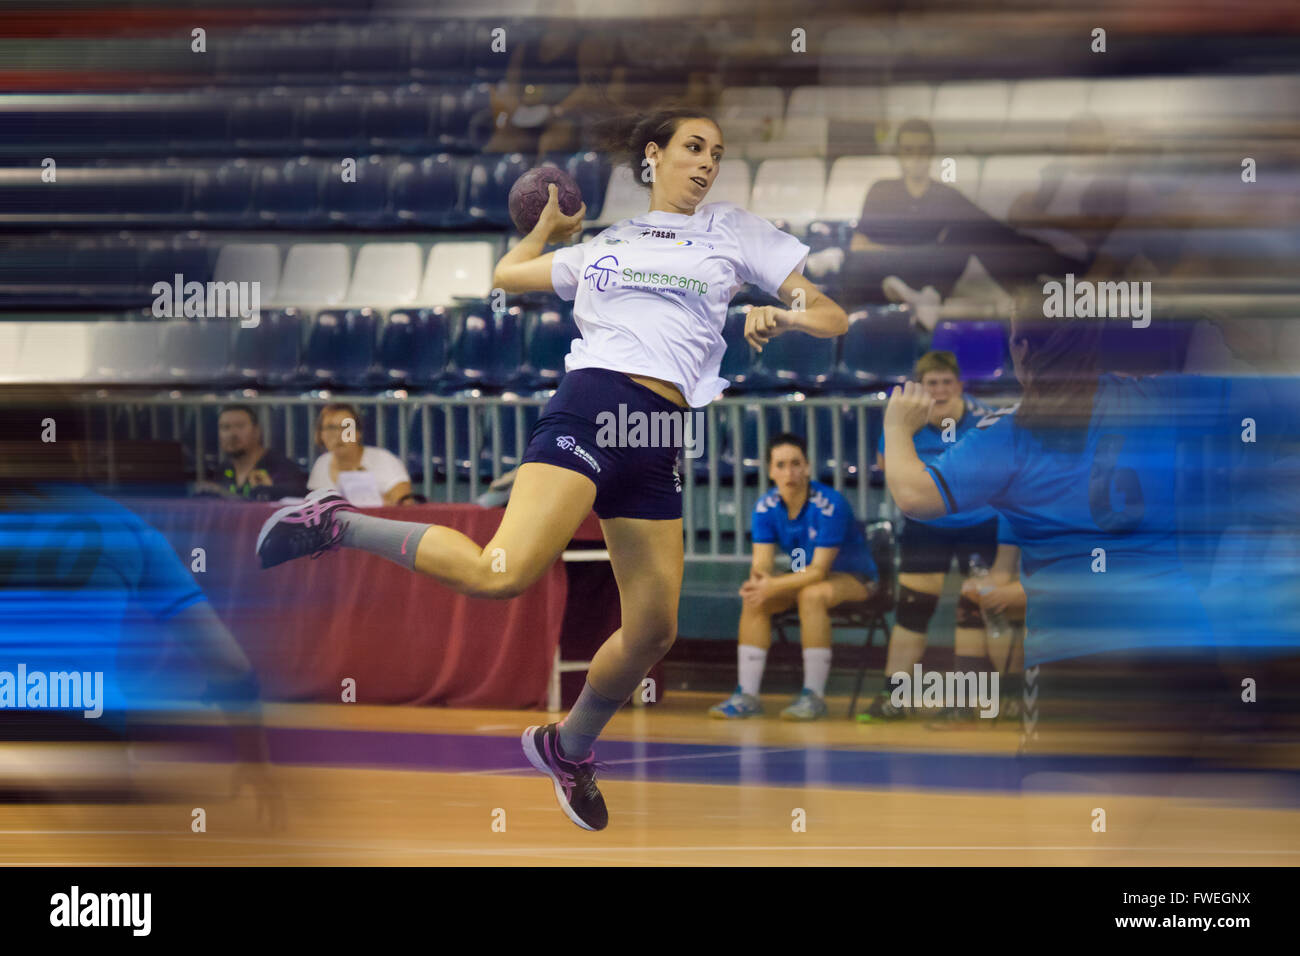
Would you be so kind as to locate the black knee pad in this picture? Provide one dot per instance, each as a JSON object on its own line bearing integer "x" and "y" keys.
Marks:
{"x": 915, "y": 609}
{"x": 968, "y": 613}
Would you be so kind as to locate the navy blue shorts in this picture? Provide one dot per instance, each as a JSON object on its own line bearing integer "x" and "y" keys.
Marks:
{"x": 925, "y": 549}
{"x": 635, "y": 472}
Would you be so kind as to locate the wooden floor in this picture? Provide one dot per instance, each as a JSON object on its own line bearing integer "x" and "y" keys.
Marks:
{"x": 428, "y": 786}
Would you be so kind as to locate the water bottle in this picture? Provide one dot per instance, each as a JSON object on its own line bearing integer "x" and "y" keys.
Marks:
{"x": 995, "y": 622}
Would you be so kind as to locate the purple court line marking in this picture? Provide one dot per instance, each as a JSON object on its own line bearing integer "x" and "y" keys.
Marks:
{"x": 756, "y": 766}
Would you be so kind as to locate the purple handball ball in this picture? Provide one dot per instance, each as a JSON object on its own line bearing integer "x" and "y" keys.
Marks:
{"x": 529, "y": 195}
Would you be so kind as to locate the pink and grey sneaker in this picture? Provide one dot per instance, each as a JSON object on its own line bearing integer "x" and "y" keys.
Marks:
{"x": 311, "y": 528}
{"x": 575, "y": 781}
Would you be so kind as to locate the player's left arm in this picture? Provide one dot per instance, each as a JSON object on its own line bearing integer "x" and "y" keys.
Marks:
{"x": 910, "y": 484}
{"x": 808, "y": 310}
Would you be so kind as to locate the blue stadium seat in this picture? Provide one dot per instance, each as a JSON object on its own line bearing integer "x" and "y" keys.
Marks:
{"x": 374, "y": 52}
{"x": 399, "y": 120}
{"x": 332, "y": 122}
{"x": 86, "y": 194}
{"x": 263, "y": 120}
{"x": 354, "y": 369}
{"x": 980, "y": 347}
{"x": 438, "y": 49}
{"x": 135, "y": 125}
{"x": 268, "y": 354}
{"x": 162, "y": 261}
{"x": 106, "y": 274}
{"x": 486, "y": 346}
{"x": 196, "y": 124}
{"x": 487, "y": 190}
{"x": 739, "y": 365}
{"x": 798, "y": 361}
{"x": 196, "y": 353}
{"x": 287, "y": 193}
{"x": 458, "y": 110}
{"x": 155, "y": 195}
{"x": 221, "y": 195}
{"x": 412, "y": 349}
{"x": 427, "y": 192}
{"x": 325, "y": 349}
{"x": 35, "y": 272}
{"x": 548, "y": 335}
{"x": 363, "y": 203}
{"x": 879, "y": 348}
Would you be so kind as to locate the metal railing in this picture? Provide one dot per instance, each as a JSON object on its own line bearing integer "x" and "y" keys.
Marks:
{"x": 718, "y": 488}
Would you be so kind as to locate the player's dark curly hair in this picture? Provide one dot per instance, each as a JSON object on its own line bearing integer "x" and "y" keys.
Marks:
{"x": 624, "y": 138}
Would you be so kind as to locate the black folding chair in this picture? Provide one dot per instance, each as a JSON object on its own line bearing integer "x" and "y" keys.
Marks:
{"x": 868, "y": 614}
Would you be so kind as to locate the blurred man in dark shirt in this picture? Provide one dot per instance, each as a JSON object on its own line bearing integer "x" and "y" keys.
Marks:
{"x": 250, "y": 470}
{"x": 915, "y": 236}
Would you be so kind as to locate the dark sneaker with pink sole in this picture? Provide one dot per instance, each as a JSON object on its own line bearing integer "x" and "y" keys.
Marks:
{"x": 296, "y": 531}
{"x": 575, "y": 781}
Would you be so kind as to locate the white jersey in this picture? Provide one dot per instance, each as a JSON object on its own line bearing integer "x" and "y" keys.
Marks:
{"x": 650, "y": 293}
{"x": 382, "y": 463}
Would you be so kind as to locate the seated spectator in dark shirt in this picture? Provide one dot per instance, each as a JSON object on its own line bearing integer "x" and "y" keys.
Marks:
{"x": 249, "y": 469}
{"x": 915, "y": 236}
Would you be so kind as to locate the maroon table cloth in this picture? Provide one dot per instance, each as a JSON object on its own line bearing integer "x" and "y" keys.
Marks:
{"x": 403, "y": 638}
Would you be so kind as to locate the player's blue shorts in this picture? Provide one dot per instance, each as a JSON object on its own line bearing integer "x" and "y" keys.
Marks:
{"x": 584, "y": 429}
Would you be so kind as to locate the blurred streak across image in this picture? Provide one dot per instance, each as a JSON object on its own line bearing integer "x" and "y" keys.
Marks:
{"x": 986, "y": 322}
{"x": 109, "y": 649}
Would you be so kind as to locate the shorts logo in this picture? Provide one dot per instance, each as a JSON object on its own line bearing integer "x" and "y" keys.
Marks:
{"x": 677, "y": 479}
{"x": 567, "y": 443}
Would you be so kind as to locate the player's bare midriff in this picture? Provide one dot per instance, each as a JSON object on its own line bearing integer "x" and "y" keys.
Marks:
{"x": 660, "y": 387}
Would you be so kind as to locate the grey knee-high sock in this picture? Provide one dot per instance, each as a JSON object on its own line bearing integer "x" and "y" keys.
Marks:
{"x": 590, "y": 714}
{"x": 397, "y": 541}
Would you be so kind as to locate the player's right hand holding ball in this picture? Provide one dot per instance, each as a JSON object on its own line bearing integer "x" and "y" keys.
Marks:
{"x": 909, "y": 408}
{"x": 555, "y": 226}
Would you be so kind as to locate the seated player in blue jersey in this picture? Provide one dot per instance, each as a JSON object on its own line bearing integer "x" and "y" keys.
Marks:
{"x": 831, "y": 565}
{"x": 927, "y": 548}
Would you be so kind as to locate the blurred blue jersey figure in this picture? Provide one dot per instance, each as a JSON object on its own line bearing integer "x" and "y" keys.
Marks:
{"x": 89, "y": 588}
{"x": 91, "y": 598}
{"x": 81, "y": 580}
{"x": 1247, "y": 515}
{"x": 1094, "y": 507}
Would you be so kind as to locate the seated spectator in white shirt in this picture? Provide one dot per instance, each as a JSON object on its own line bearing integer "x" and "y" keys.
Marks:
{"x": 338, "y": 431}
